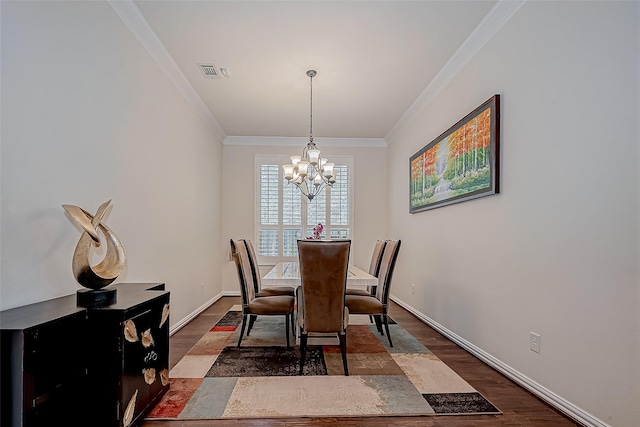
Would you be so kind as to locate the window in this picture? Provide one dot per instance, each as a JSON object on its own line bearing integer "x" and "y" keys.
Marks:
{"x": 284, "y": 215}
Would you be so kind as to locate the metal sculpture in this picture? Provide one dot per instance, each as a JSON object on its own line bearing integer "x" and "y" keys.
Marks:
{"x": 104, "y": 273}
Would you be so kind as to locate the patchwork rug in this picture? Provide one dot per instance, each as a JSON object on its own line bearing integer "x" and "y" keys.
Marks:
{"x": 215, "y": 379}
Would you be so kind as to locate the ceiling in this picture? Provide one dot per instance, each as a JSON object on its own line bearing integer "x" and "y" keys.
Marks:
{"x": 373, "y": 58}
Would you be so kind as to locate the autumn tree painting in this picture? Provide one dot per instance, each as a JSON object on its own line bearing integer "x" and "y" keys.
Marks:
{"x": 460, "y": 164}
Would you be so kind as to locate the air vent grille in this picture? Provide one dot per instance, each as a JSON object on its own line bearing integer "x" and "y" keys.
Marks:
{"x": 209, "y": 71}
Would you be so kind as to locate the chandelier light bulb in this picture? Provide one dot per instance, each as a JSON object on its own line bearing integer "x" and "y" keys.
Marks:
{"x": 328, "y": 170}
{"x": 288, "y": 172}
{"x": 303, "y": 167}
{"x": 314, "y": 155}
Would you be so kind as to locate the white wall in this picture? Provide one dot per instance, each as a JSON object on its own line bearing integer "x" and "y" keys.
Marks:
{"x": 370, "y": 200}
{"x": 88, "y": 116}
{"x": 557, "y": 252}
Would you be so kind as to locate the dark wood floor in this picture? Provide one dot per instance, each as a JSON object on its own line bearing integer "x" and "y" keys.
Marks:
{"x": 519, "y": 407}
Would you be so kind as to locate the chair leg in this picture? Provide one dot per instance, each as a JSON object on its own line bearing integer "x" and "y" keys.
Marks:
{"x": 378, "y": 323}
{"x": 386, "y": 326}
{"x": 343, "y": 350}
{"x": 286, "y": 321}
{"x": 293, "y": 327}
{"x": 252, "y": 319}
{"x": 303, "y": 349}
{"x": 244, "y": 324}
{"x": 371, "y": 318}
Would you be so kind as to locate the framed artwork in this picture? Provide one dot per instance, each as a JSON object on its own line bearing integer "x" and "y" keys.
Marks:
{"x": 461, "y": 164}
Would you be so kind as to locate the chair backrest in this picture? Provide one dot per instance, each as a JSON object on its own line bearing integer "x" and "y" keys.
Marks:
{"x": 387, "y": 265}
{"x": 243, "y": 264}
{"x": 376, "y": 257}
{"x": 255, "y": 269}
{"x": 324, "y": 266}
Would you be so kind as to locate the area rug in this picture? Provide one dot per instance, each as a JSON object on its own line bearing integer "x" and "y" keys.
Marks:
{"x": 217, "y": 380}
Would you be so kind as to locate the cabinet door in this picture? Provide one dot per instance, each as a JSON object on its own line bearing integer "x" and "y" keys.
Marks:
{"x": 54, "y": 372}
{"x": 145, "y": 359}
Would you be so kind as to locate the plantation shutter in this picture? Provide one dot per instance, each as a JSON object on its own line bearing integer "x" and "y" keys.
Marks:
{"x": 269, "y": 210}
{"x": 284, "y": 215}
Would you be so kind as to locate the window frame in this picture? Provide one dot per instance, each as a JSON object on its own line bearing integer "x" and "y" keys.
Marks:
{"x": 279, "y": 160}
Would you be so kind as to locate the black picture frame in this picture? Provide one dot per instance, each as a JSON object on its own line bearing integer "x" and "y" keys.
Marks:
{"x": 461, "y": 164}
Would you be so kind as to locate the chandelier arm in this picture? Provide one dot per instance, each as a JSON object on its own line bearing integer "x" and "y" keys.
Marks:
{"x": 302, "y": 190}
{"x": 311, "y": 192}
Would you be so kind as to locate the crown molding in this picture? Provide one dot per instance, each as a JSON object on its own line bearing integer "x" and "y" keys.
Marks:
{"x": 501, "y": 12}
{"x": 133, "y": 19}
{"x": 302, "y": 141}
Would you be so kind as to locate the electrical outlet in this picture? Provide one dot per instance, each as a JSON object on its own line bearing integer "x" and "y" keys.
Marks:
{"x": 413, "y": 288}
{"x": 202, "y": 288}
{"x": 534, "y": 342}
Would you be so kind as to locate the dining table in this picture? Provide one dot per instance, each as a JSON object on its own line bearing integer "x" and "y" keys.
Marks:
{"x": 287, "y": 273}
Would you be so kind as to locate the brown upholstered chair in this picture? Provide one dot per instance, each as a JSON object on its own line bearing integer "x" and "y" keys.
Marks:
{"x": 324, "y": 265}
{"x": 282, "y": 305}
{"x": 374, "y": 268}
{"x": 378, "y": 305}
{"x": 257, "y": 283}
{"x": 257, "y": 278}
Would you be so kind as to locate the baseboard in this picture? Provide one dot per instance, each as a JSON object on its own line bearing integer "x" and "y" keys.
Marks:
{"x": 561, "y": 404}
{"x": 230, "y": 293}
{"x": 179, "y": 325}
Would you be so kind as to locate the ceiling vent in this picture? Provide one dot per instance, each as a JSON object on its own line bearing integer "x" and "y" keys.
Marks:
{"x": 209, "y": 71}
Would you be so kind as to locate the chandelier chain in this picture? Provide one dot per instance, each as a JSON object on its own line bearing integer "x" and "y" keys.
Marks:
{"x": 311, "y": 109}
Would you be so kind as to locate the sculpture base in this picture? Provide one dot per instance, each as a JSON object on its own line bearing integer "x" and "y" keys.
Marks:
{"x": 90, "y": 298}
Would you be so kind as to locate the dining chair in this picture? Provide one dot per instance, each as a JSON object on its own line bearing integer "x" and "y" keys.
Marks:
{"x": 251, "y": 304}
{"x": 378, "y": 305}
{"x": 257, "y": 283}
{"x": 324, "y": 265}
{"x": 374, "y": 268}
{"x": 257, "y": 277}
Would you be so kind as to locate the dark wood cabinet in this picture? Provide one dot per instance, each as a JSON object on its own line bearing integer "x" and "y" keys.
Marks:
{"x": 43, "y": 374}
{"x": 68, "y": 365}
{"x": 130, "y": 365}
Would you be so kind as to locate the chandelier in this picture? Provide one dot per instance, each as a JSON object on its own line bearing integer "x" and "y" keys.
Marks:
{"x": 310, "y": 172}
